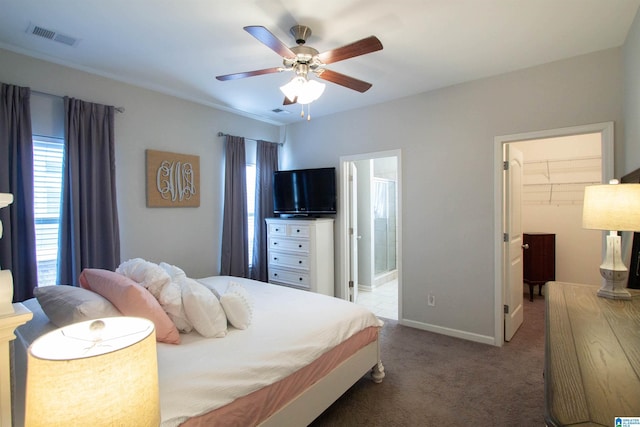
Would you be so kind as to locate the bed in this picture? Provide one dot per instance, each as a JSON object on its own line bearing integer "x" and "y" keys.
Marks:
{"x": 300, "y": 353}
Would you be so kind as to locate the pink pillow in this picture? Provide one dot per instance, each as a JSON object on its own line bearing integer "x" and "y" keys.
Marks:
{"x": 131, "y": 299}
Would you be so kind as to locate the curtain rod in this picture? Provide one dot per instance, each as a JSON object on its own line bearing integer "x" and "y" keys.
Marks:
{"x": 251, "y": 139}
{"x": 118, "y": 109}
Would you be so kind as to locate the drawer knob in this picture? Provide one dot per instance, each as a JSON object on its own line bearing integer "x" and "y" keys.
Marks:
{"x": 275, "y": 243}
{"x": 300, "y": 279}
{"x": 275, "y": 274}
{"x": 275, "y": 258}
{"x": 298, "y": 230}
{"x": 299, "y": 262}
{"x": 299, "y": 246}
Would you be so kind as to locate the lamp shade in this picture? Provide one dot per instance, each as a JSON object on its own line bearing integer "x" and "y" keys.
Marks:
{"x": 95, "y": 373}
{"x": 310, "y": 91}
{"x": 292, "y": 88}
{"x": 612, "y": 207}
{"x": 302, "y": 91}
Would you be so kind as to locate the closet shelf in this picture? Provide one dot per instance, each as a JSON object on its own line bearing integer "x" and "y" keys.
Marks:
{"x": 559, "y": 181}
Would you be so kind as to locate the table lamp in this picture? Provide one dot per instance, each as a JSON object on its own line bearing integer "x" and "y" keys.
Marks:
{"x": 96, "y": 373}
{"x": 613, "y": 207}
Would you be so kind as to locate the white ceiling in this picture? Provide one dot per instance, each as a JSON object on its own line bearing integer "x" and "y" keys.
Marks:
{"x": 178, "y": 47}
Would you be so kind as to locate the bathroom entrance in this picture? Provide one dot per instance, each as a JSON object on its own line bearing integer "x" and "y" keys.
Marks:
{"x": 377, "y": 234}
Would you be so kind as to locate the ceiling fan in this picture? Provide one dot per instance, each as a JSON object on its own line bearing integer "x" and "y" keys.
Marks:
{"x": 304, "y": 59}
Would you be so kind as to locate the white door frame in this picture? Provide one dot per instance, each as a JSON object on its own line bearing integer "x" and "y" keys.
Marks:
{"x": 342, "y": 220}
{"x": 606, "y": 129}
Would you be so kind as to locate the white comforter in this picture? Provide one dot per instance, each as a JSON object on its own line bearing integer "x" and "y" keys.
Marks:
{"x": 289, "y": 330}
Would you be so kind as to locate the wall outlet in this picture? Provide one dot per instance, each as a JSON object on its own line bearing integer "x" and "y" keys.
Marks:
{"x": 431, "y": 300}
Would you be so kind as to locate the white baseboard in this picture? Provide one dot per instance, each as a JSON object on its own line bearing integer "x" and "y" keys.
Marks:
{"x": 484, "y": 339}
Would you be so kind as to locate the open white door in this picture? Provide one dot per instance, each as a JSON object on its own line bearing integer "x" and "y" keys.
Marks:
{"x": 353, "y": 232}
{"x": 512, "y": 262}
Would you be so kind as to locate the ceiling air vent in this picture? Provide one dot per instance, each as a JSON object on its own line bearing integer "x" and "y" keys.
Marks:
{"x": 52, "y": 35}
{"x": 280, "y": 111}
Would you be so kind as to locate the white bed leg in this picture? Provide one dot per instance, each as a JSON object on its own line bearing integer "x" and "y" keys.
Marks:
{"x": 377, "y": 372}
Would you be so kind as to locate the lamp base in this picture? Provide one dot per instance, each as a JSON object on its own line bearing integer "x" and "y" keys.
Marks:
{"x": 614, "y": 284}
{"x": 6, "y": 292}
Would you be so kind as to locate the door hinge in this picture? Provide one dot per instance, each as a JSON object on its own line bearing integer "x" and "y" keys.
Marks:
{"x": 506, "y": 309}
{"x": 505, "y": 237}
{"x": 505, "y": 165}
{"x": 351, "y": 283}
{"x": 351, "y": 231}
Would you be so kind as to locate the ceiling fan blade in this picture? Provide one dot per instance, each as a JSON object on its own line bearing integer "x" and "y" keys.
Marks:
{"x": 361, "y": 47}
{"x": 287, "y": 102}
{"x": 269, "y": 40}
{"x": 345, "y": 81}
{"x": 248, "y": 74}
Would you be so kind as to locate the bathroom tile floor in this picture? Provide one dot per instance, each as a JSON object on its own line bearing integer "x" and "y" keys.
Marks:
{"x": 383, "y": 300}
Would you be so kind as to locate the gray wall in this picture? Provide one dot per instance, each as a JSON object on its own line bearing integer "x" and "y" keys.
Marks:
{"x": 447, "y": 142}
{"x": 629, "y": 156}
{"x": 187, "y": 237}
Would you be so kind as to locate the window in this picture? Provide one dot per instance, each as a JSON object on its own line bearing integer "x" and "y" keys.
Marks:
{"x": 48, "y": 157}
{"x": 251, "y": 206}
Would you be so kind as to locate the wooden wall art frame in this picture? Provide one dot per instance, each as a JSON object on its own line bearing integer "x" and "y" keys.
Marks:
{"x": 173, "y": 180}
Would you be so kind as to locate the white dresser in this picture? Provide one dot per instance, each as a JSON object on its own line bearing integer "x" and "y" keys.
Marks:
{"x": 300, "y": 253}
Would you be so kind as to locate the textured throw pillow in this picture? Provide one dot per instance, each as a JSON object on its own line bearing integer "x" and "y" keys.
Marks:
{"x": 203, "y": 309}
{"x": 238, "y": 305}
{"x": 65, "y": 304}
{"x": 131, "y": 299}
{"x": 171, "y": 297}
{"x": 157, "y": 280}
{"x": 145, "y": 273}
{"x": 175, "y": 272}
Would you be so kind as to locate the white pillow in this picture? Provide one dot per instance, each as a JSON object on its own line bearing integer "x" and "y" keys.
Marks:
{"x": 203, "y": 309}
{"x": 158, "y": 280}
{"x": 238, "y": 305}
{"x": 64, "y": 304}
{"x": 146, "y": 273}
{"x": 176, "y": 273}
{"x": 171, "y": 302}
{"x": 211, "y": 287}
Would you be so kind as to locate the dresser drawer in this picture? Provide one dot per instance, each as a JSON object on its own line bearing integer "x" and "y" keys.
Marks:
{"x": 296, "y": 230}
{"x": 289, "y": 277}
{"x": 277, "y": 229}
{"x": 288, "y": 260}
{"x": 284, "y": 244}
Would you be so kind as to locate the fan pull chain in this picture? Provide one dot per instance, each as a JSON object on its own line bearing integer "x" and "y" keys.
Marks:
{"x": 308, "y": 112}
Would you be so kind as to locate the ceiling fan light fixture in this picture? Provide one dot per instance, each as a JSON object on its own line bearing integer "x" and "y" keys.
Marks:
{"x": 310, "y": 91}
{"x": 292, "y": 88}
{"x": 303, "y": 91}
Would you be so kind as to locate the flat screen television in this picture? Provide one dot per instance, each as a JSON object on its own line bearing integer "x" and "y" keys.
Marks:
{"x": 305, "y": 191}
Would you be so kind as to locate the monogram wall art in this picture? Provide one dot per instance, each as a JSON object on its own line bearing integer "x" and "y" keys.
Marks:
{"x": 173, "y": 180}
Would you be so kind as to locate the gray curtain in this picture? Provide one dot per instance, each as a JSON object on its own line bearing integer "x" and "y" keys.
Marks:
{"x": 266, "y": 164}
{"x": 89, "y": 230}
{"x": 235, "y": 247}
{"x": 18, "y": 243}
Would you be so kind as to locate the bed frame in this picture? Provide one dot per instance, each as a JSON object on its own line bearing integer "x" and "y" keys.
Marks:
{"x": 309, "y": 405}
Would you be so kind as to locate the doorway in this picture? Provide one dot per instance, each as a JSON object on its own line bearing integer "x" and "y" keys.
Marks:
{"x": 504, "y": 290}
{"x": 371, "y": 234}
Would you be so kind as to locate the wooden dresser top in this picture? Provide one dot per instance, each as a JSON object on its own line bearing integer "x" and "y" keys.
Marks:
{"x": 592, "y": 356}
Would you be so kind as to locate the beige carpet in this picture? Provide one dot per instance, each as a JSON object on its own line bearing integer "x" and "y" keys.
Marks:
{"x": 435, "y": 380}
